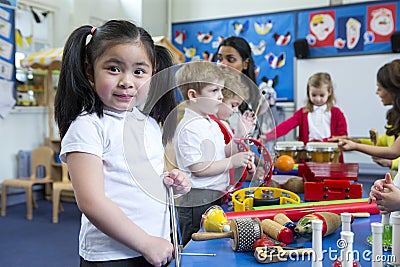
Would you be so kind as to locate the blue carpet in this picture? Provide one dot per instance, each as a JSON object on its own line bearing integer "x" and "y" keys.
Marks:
{"x": 40, "y": 243}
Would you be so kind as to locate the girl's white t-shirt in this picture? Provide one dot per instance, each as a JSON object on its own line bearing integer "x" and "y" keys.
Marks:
{"x": 319, "y": 123}
{"x": 130, "y": 147}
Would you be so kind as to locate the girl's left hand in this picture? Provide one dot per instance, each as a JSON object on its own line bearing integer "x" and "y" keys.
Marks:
{"x": 179, "y": 180}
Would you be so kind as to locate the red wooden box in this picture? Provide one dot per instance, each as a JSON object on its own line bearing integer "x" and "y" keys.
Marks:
{"x": 330, "y": 181}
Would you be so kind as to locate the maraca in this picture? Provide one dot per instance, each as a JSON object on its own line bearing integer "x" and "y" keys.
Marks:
{"x": 331, "y": 222}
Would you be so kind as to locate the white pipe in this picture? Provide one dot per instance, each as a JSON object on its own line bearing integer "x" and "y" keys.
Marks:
{"x": 317, "y": 243}
{"x": 377, "y": 231}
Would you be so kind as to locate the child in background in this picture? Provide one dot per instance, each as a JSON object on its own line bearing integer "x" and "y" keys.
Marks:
{"x": 319, "y": 119}
{"x": 388, "y": 81}
{"x": 235, "y": 52}
{"x": 101, "y": 82}
{"x": 233, "y": 93}
{"x": 199, "y": 144}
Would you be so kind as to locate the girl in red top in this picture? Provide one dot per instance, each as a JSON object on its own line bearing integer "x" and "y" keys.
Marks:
{"x": 319, "y": 119}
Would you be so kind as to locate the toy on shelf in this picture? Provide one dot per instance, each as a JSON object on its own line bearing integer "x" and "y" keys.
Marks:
{"x": 331, "y": 222}
{"x": 247, "y": 198}
{"x": 243, "y": 234}
{"x": 214, "y": 220}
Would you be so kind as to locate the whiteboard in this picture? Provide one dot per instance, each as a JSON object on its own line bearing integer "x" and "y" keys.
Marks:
{"x": 354, "y": 81}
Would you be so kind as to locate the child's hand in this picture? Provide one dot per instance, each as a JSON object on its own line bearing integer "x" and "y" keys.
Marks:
{"x": 346, "y": 145}
{"x": 241, "y": 159}
{"x": 246, "y": 123}
{"x": 337, "y": 138}
{"x": 389, "y": 199}
{"x": 378, "y": 188}
{"x": 157, "y": 251}
{"x": 251, "y": 167}
{"x": 179, "y": 180}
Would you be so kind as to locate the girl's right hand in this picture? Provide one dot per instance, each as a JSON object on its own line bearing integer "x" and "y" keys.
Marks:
{"x": 157, "y": 251}
{"x": 241, "y": 159}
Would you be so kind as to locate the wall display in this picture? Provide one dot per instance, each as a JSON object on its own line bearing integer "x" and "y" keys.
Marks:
{"x": 349, "y": 30}
{"x": 270, "y": 37}
{"x": 7, "y": 51}
{"x": 335, "y": 31}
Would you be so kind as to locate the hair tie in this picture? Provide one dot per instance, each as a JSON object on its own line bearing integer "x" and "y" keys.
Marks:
{"x": 93, "y": 30}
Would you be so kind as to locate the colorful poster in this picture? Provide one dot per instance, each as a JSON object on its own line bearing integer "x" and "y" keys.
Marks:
{"x": 270, "y": 37}
{"x": 349, "y": 29}
{"x": 321, "y": 28}
{"x": 381, "y": 22}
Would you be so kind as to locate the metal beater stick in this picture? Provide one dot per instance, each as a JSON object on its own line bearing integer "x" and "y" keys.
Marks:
{"x": 175, "y": 238}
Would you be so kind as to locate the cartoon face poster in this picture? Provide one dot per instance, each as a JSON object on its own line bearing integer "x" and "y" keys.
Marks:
{"x": 381, "y": 21}
{"x": 350, "y": 31}
{"x": 321, "y": 28}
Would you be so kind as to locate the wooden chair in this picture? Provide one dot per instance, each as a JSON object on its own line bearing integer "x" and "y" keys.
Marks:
{"x": 64, "y": 184}
{"x": 41, "y": 156}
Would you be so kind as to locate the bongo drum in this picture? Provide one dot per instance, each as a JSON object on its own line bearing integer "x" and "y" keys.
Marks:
{"x": 294, "y": 149}
{"x": 323, "y": 152}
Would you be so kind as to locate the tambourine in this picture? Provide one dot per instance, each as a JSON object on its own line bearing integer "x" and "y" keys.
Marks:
{"x": 262, "y": 158}
{"x": 247, "y": 198}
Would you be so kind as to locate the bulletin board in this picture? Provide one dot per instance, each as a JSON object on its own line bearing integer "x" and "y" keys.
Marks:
{"x": 358, "y": 29}
{"x": 270, "y": 36}
{"x": 7, "y": 58}
{"x": 349, "y": 30}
